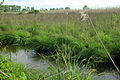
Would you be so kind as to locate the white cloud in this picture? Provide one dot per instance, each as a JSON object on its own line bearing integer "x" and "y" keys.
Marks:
{"x": 63, "y": 3}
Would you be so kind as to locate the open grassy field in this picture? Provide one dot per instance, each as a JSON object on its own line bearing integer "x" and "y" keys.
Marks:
{"x": 64, "y": 34}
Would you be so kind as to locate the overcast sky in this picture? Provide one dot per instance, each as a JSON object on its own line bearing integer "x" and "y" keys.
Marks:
{"x": 75, "y": 4}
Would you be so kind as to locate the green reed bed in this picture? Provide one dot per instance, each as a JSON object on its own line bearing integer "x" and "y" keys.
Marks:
{"x": 49, "y": 33}
{"x": 71, "y": 40}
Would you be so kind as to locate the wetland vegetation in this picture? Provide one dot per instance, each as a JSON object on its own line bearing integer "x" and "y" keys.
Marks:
{"x": 68, "y": 41}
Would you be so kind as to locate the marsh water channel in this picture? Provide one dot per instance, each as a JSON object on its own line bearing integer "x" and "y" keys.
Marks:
{"x": 31, "y": 60}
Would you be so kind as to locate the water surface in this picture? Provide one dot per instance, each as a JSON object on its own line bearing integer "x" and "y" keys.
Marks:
{"x": 31, "y": 60}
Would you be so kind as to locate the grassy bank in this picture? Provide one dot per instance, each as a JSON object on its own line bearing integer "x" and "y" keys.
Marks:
{"x": 17, "y": 71}
{"x": 13, "y": 70}
{"x": 52, "y": 33}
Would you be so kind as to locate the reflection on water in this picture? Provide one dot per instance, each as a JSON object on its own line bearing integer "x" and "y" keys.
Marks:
{"x": 31, "y": 60}
{"x": 110, "y": 75}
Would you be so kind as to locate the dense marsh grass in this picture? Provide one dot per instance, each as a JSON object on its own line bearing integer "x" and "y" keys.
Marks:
{"x": 71, "y": 40}
{"x": 49, "y": 33}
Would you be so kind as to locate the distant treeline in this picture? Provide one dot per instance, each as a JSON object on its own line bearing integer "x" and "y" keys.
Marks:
{"x": 16, "y": 8}
{"x": 9, "y": 8}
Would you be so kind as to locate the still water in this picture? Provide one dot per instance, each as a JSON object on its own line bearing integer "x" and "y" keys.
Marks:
{"x": 32, "y": 61}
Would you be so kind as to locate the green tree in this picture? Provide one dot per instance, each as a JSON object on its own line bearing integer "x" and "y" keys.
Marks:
{"x": 67, "y": 8}
{"x": 28, "y": 8}
{"x": 16, "y": 8}
{"x": 46, "y": 9}
{"x": 24, "y": 9}
{"x": 6, "y": 8}
{"x": 57, "y": 8}
{"x": 41, "y": 9}
{"x": 32, "y": 8}
{"x": 61, "y": 8}
{"x": 2, "y": 2}
{"x": 52, "y": 9}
